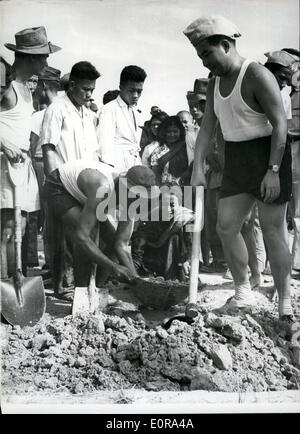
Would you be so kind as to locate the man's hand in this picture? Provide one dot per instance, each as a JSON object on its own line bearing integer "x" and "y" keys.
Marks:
{"x": 123, "y": 274}
{"x": 186, "y": 268}
{"x": 213, "y": 161}
{"x": 270, "y": 187}
{"x": 198, "y": 178}
{"x": 13, "y": 153}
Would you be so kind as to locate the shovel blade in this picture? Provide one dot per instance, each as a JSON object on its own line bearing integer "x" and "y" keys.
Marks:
{"x": 87, "y": 302}
{"x": 33, "y": 305}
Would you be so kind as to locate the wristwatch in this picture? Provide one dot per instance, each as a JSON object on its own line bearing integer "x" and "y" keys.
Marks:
{"x": 274, "y": 168}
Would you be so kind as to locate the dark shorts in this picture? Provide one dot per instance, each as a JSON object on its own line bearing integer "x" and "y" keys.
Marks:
{"x": 246, "y": 164}
{"x": 58, "y": 198}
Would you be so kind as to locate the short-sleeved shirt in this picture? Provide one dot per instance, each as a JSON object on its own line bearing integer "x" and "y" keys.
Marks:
{"x": 71, "y": 131}
{"x": 286, "y": 101}
{"x": 36, "y": 126}
{"x": 119, "y": 134}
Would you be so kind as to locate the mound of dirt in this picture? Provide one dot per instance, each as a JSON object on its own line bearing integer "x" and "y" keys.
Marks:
{"x": 245, "y": 351}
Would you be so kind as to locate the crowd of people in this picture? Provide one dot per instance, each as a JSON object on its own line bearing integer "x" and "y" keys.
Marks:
{"x": 239, "y": 138}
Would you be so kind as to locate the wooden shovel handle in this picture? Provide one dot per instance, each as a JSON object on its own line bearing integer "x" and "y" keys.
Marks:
{"x": 17, "y": 174}
{"x": 198, "y": 223}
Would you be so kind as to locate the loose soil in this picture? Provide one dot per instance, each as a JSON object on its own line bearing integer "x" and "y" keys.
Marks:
{"x": 127, "y": 347}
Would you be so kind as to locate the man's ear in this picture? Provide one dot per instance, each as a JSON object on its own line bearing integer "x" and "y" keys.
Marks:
{"x": 71, "y": 84}
{"x": 226, "y": 45}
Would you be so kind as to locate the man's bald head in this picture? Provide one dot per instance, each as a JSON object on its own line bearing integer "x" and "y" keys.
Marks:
{"x": 186, "y": 119}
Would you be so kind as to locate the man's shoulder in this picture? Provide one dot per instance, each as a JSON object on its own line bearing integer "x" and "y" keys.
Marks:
{"x": 39, "y": 114}
{"x": 58, "y": 103}
{"x": 256, "y": 71}
{"x": 110, "y": 106}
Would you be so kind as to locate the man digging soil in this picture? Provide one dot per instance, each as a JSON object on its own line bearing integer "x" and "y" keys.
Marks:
{"x": 80, "y": 194}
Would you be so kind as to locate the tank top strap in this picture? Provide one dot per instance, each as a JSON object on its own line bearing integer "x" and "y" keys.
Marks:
{"x": 217, "y": 87}
{"x": 20, "y": 97}
{"x": 242, "y": 72}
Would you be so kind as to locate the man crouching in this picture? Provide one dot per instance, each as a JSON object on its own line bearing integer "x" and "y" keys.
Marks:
{"x": 76, "y": 192}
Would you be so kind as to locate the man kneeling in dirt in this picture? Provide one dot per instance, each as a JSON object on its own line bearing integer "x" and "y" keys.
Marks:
{"x": 80, "y": 193}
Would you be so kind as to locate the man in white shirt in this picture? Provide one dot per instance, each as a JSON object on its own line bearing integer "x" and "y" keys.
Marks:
{"x": 190, "y": 133}
{"x": 118, "y": 129}
{"x": 68, "y": 134}
{"x": 280, "y": 64}
{"x": 68, "y": 130}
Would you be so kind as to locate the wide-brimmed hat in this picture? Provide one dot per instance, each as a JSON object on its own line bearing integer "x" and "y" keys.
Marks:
{"x": 199, "y": 92}
{"x": 204, "y": 27}
{"x": 141, "y": 181}
{"x": 281, "y": 58}
{"x": 50, "y": 74}
{"x": 64, "y": 82}
{"x": 32, "y": 41}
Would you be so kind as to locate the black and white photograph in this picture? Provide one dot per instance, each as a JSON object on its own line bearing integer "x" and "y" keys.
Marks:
{"x": 150, "y": 209}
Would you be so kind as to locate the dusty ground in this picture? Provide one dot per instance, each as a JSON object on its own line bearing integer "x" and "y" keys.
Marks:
{"x": 126, "y": 350}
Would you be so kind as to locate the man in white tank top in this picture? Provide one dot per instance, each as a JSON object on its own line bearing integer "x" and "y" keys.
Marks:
{"x": 31, "y": 52}
{"x": 245, "y": 98}
{"x": 79, "y": 194}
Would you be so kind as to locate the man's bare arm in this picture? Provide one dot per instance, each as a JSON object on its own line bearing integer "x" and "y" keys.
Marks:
{"x": 50, "y": 158}
{"x": 121, "y": 244}
{"x": 85, "y": 223}
{"x": 267, "y": 93}
{"x": 34, "y": 141}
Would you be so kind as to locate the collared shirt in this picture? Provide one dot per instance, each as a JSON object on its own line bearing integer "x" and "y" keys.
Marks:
{"x": 37, "y": 121}
{"x": 71, "y": 131}
{"x": 117, "y": 132}
{"x": 190, "y": 140}
{"x": 286, "y": 101}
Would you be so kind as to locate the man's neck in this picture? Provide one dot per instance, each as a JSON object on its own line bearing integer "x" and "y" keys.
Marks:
{"x": 235, "y": 66}
{"x": 78, "y": 106}
{"x": 22, "y": 75}
{"x": 128, "y": 105}
{"x": 199, "y": 121}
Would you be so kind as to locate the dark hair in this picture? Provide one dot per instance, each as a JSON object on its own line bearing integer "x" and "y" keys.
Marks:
{"x": 84, "y": 71}
{"x": 216, "y": 39}
{"x": 27, "y": 56}
{"x": 160, "y": 116}
{"x": 275, "y": 67}
{"x": 52, "y": 85}
{"x": 40, "y": 96}
{"x": 132, "y": 73}
{"x": 170, "y": 121}
{"x": 110, "y": 95}
{"x": 292, "y": 51}
{"x": 9, "y": 75}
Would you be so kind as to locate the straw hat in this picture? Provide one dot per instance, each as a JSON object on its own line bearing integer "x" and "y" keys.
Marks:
{"x": 32, "y": 41}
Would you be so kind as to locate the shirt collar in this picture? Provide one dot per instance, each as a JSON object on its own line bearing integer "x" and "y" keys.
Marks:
{"x": 122, "y": 103}
{"x": 71, "y": 106}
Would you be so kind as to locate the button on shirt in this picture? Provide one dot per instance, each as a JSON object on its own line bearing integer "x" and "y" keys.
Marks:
{"x": 70, "y": 130}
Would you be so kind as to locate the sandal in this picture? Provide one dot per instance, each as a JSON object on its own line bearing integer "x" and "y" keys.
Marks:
{"x": 67, "y": 295}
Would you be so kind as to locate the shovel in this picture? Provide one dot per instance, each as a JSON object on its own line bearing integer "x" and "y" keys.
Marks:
{"x": 294, "y": 134}
{"x": 191, "y": 310}
{"x": 90, "y": 300}
{"x": 22, "y": 298}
